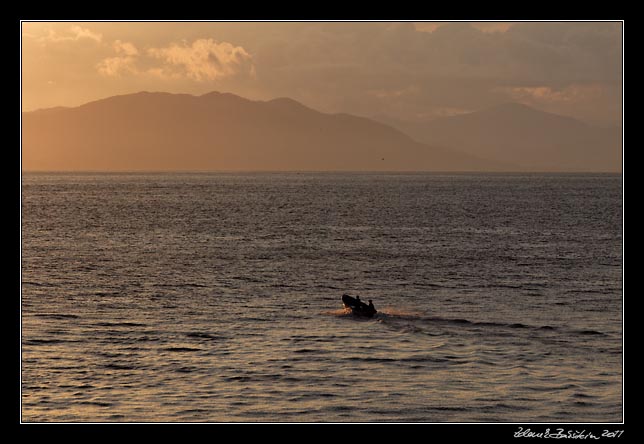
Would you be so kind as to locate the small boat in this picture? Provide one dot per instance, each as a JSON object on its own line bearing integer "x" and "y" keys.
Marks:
{"x": 358, "y": 307}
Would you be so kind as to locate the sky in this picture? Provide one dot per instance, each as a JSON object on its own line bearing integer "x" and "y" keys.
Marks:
{"x": 410, "y": 71}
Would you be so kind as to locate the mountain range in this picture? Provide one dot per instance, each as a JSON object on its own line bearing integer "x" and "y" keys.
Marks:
{"x": 221, "y": 131}
{"x": 530, "y": 139}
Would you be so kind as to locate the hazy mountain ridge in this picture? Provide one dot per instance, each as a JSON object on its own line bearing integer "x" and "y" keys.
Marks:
{"x": 518, "y": 134}
{"x": 222, "y": 131}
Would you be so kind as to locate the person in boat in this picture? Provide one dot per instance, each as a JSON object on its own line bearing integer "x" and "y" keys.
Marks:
{"x": 371, "y": 307}
{"x": 358, "y": 303}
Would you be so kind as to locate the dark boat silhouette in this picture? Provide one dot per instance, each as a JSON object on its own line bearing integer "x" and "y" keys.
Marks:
{"x": 358, "y": 307}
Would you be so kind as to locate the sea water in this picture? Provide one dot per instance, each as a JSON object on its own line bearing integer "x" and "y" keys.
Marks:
{"x": 216, "y": 297}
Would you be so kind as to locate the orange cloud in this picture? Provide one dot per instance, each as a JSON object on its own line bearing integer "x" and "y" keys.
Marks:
{"x": 115, "y": 66}
{"x": 123, "y": 63}
{"x": 481, "y": 26}
{"x": 545, "y": 94}
{"x": 73, "y": 33}
{"x": 204, "y": 59}
{"x": 126, "y": 48}
{"x": 394, "y": 93}
{"x": 428, "y": 26}
{"x": 492, "y": 26}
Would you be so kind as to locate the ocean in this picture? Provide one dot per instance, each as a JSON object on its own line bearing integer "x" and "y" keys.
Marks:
{"x": 215, "y": 297}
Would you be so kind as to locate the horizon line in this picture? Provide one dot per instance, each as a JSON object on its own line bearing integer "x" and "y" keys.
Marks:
{"x": 460, "y": 172}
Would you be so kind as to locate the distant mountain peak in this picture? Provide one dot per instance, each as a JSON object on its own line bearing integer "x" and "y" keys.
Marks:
{"x": 221, "y": 95}
{"x": 285, "y": 101}
{"x": 525, "y": 136}
{"x": 513, "y": 106}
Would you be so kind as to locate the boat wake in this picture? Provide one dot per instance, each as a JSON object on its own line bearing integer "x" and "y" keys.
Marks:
{"x": 387, "y": 313}
{"x": 341, "y": 312}
{"x": 410, "y": 320}
{"x": 402, "y": 313}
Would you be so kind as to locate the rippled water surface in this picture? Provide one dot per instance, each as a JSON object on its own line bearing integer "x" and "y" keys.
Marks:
{"x": 216, "y": 297}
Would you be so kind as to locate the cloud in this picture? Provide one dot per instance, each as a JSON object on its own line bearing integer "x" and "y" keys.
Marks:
{"x": 427, "y": 26}
{"x": 481, "y": 26}
{"x": 125, "y": 48}
{"x": 560, "y": 54}
{"x": 116, "y": 66}
{"x": 385, "y": 94}
{"x": 492, "y": 26}
{"x": 590, "y": 102}
{"x": 204, "y": 59}
{"x": 71, "y": 34}
{"x": 123, "y": 63}
{"x": 392, "y": 68}
{"x": 84, "y": 33}
{"x": 547, "y": 94}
